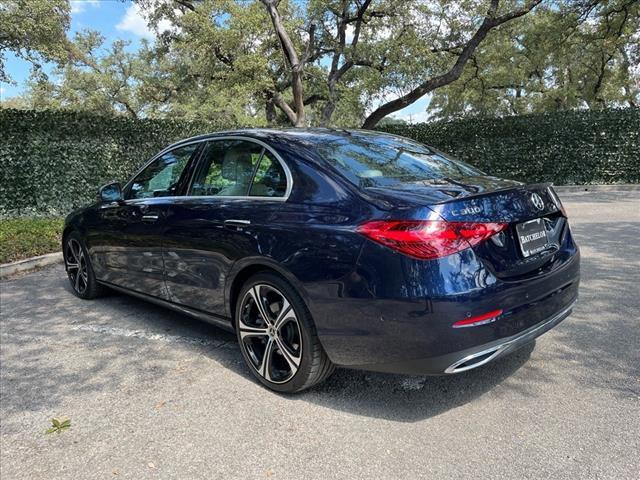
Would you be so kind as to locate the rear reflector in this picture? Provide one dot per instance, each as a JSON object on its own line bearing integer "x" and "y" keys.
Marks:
{"x": 428, "y": 239}
{"x": 478, "y": 319}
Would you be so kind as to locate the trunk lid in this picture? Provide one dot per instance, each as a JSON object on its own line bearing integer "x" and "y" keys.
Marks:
{"x": 471, "y": 199}
{"x": 517, "y": 203}
{"x": 507, "y": 254}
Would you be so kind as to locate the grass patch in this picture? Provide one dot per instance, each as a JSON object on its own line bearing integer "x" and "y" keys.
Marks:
{"x": 27, "y": 237}
{"x": 58, "y": 426}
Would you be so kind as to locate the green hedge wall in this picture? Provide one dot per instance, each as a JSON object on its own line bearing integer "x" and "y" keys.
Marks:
{"x": 54, "y": 161}
{"x": 578, "y": 147}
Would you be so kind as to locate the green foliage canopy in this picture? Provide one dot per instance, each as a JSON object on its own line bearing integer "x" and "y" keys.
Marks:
{"x": 565, "y": 56}
{"x": 35, "y": 31}
{"x": 342, "y": 63}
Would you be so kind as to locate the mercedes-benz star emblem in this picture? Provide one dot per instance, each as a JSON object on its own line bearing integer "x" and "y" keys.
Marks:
{"x": 537, "y": 201}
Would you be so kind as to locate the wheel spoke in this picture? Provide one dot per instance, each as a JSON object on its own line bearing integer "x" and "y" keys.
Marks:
{"x": 283, "y": 314}
{"x": 75, "y": 250}
{"x": 77, "y": 267}
{"x": 255, "y": 294}
{"x": 264, "y": 369}
{"x": 292, "y": 360}
{"x": 246, "y": 331}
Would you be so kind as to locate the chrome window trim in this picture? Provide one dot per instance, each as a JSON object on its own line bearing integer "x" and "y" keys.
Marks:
{"x": 153, "y": 159}
{"x": 212, "y": 197}
{"x": 285, "y": 167}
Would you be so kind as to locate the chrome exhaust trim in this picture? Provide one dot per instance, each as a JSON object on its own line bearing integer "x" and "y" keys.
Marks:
{"x": 489, "y": 355}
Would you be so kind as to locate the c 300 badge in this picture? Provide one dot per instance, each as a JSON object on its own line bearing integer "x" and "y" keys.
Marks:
{"x": 470, "y": 210}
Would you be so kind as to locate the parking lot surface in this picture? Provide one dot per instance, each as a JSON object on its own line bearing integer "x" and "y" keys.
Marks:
{"x": 153, "y": 394}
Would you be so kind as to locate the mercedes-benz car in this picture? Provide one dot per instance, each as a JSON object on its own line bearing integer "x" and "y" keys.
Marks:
{"x": 322, "y": 248}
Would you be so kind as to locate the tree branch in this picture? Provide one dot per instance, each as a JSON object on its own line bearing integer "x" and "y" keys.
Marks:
{"x": 186, "y": 4}
{"x": 316, "y": 97}
{"x": 337, "y": 71}
{"x": 279, "y": 102}
{"x": 490, "y": 22}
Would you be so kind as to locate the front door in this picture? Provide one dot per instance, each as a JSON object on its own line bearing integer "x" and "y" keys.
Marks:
{"x": 127, "y": 247}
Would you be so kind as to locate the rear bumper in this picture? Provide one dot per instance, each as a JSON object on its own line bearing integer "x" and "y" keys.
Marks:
{"x": 409, "y": 330}
{"x": 471, "y": 358}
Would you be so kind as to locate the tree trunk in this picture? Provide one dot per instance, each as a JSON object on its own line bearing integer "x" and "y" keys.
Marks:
{"x": 295, "y": 114}
{"x": 270, "y": 112}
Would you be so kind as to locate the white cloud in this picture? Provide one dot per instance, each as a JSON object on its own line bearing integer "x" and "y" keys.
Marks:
{"x": 78, "y": 6}
{"x": 135, "y": 21}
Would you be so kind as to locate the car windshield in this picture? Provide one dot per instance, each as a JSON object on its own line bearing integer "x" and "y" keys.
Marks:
{"x": 370, "y": 160}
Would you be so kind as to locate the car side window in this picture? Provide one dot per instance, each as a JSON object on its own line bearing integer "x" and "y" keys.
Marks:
{"x": 227, "y": 168}
{"x": 270, "y": 179}
{"x": 160, "y": 178}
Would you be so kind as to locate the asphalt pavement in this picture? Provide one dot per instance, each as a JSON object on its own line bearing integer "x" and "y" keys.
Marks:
{"x": 153, "y": 394}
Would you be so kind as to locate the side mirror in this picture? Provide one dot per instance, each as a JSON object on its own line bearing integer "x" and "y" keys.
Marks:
{"x": 111, "y": 192}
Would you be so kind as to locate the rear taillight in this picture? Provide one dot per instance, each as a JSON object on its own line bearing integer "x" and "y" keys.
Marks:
{"x": 428, "y": 239}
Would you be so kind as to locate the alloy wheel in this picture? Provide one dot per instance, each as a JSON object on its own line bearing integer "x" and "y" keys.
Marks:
{"x": 76, "y": 264}
{"x": 270, "y": 333}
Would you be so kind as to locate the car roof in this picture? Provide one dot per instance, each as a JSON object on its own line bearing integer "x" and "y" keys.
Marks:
{"x": 295, "y": 135}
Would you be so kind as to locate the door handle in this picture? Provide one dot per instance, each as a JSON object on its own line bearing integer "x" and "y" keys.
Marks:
{"x": 150, "y": 218}
{"x": 236, "y": 223}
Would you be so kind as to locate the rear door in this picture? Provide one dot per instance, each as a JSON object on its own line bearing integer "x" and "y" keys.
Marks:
{"x": 128, "y": 236}
{"x": 237, "y": 185}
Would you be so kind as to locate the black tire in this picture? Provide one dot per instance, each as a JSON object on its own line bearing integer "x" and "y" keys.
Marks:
{"x": 296, "y": 329}
{"x": 76, "y": 259}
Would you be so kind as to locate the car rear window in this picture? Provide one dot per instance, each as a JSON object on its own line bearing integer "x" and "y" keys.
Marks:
{"x": 377, "y": 160}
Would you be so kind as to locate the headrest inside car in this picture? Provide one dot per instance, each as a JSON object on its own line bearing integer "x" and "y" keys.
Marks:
{"x": 235, "y": 164}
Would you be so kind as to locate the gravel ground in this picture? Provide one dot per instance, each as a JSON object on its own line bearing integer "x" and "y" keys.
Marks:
{"x": 153, "y": 394}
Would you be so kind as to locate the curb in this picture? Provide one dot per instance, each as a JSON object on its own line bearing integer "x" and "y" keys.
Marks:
{"x": 626, "y": 187}
{"x": 9, "y": 269}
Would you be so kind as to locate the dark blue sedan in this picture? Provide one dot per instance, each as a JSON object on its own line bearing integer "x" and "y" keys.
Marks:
{"x": 324, "y": 248}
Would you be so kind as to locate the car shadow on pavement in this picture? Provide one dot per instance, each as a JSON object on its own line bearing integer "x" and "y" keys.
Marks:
{"x": 404, "y": 398}
{"x": 413, "y": 398}
{"x": 56, "y": 347}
